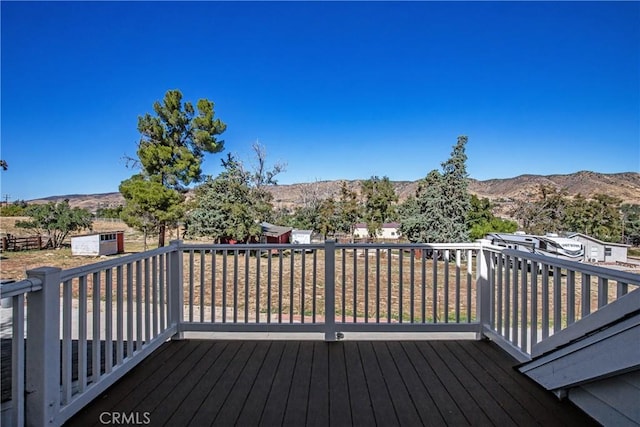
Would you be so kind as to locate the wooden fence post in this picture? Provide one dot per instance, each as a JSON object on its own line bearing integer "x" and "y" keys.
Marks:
{"x": 43, "y": 349}
{"x": 176, "y": 294}
{"x": 330, "y": 290}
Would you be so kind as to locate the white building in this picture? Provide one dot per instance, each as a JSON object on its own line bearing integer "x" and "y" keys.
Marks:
{"x": 107, "y": 243}
{"x": 598, "y": 251}
{"x": 390, "y": 231}
{"x": 302, "y": 237}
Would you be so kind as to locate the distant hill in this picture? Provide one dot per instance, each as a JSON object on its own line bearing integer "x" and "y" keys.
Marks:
{"x": 504, "y": 192}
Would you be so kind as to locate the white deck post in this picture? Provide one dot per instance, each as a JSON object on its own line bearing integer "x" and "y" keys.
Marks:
{"x": 484, "y": 288}
{"x": 43, "y": 349}
{"x": 176, "y": 295}
{"x": 330, "y": 290}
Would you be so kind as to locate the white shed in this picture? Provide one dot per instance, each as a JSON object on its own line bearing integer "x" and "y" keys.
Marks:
{"x": 98, "y": 244}
{"x": 302, "y": 237}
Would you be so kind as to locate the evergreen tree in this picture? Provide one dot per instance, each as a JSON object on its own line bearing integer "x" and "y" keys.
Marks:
{"x": 149, "y": 204}
{"x": 348, "y": 210}
{"x": 631, "y": 224}
{"x": 172, "y": 146}
{"x": 481, "y": 220}
{"x": 440, "y": 209}
{"x": 379, "y": 203}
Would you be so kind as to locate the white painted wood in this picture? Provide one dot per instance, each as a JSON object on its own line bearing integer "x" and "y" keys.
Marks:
{"x": 82, "y": 334}
{"x": 18, "y": 361}
{"x": 599, "y": 410}
{"x": 606, "y": 315}
{"x": 43, "y": 349}
{"x": 618, "y": 394}
{"x": 604, "y": 353}
{"x": 66, "y": 341}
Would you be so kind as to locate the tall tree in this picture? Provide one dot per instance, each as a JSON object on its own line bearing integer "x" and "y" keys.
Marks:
{"x": 379, "y": 203}
{"x": 56, "y": 220}
{"x": 440, "y": 209}
{"x": 630, "y": 224}
{"x": 481, "y": 220}
{"x": 543, "y": 212}
{"x": 349, "y": 210}
{"x": 228, "y": 207}
{"x": 173, "y": 143}
{"x": 149, "y": 204}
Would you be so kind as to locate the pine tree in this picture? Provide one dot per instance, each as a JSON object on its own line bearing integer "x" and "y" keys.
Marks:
{"x": 440, "y": 209}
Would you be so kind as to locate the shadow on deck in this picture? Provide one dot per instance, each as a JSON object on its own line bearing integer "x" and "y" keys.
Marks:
{"x": 246, "y": 383}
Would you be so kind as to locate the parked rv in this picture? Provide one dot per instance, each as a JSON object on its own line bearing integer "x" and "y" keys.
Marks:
{"x": 548, "y": 245}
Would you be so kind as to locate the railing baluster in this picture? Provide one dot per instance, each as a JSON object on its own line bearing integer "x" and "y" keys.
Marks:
{"x": 18, "y": 363}
{"x": 258, "y": 263}
{"x": 534, "y": 303}
{"x": 517, "y": 265}
{"x": 147, "y": 301}
{"x": 508, "y": 264}
{"x": 202, "y": 284}
{"x": 545, "y": 301}
{"x": 82, "y": 333}
{"x": 524, "y": 321}
{"x": 571, "y": 296}
{"x": 95, "y": 344}
{"x": 154, "y": 291}
{"x": 291, "y": 287}
{"x": 344, "y": 286}
{"x": 280, "y": 285}
{"x": 423, "y": 265}
{"x": 366, "y": 285}
{"x": 247, "y": 261}
{"x": 446, "y": 286}
{"x": 303, "y": 284}
{"x": 191, "y": 290}
{"x": 130, "y": 303}
{"x": 235, "y": 286}
{"x": 435, "y": 286}
{"x": 108, "y": 314}
{"x": 603, "y": 292}
{"x": 315, "y": 284}
{"x": 138, "y": 297}
{"x": 458, "y": 284}
{"x": 378, "y": 285}
{"x": 224, "y": 285}
{"x": 67, "y": 341}
{"x": 355, "y": 284}
{"x": 557, "y": 299}
{"x": 214, "y": 277}
{"x": 161, "y": 265}
{"x": 499, "y": 296}
{"x": 119, "y": 316}
{"x": 400, "y": 287}
{"x": 469, "y": 279}
{"x": 269, "y": 284}
{"x": 389, "y": 305}
{"x": 412, "y": 281}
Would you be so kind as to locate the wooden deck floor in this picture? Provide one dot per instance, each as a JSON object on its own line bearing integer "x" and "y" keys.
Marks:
{"x": 296, "y": 383}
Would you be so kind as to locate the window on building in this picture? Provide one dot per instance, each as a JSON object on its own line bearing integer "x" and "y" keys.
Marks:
{"x": 607, "y": 251}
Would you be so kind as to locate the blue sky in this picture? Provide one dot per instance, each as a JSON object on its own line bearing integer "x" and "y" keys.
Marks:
{"x": 335, "y": 90}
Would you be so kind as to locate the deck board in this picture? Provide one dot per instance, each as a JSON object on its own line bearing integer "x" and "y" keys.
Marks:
{"x": 247, "y": 383}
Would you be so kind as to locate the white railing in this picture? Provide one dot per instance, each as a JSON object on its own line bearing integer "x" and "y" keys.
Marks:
{"x": 534, "y": 296}
{"x": 14, "y": 293}
{"x": 88, "y": 326}
{"x": 330, "y": 288}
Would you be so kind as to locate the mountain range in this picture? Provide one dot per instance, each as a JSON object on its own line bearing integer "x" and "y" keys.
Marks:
{"x": 503, "y": 192}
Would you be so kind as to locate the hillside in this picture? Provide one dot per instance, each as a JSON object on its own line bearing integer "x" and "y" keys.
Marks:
{"x": 625, "y": 186}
